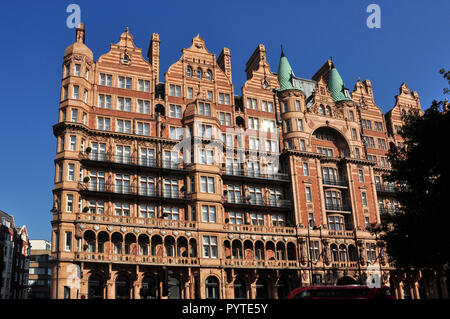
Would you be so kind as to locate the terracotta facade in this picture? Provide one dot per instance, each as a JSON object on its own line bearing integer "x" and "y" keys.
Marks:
{"x": 218, "y": 195}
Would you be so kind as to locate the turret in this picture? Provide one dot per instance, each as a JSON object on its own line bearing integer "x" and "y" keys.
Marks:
{"x": 336, "y": 86}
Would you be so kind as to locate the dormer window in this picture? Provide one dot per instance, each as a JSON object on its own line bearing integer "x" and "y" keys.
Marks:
{"x": 346, "y": 93}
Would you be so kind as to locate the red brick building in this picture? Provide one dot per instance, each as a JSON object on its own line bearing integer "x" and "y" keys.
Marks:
{"x": 183, "y": 189}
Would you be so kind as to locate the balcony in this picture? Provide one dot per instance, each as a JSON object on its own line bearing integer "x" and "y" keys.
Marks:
{"x": 137, "y": 259}
{"x": 381, "y": 188}
{"x": 137, "y": 221}
{"x": 260, "y": 229}
{"x": 280, "y": 203}
{"x": 239, "y": 173}
{"x": 132, "y": 191}
{"x": 345, "y": 264}
{"x": 338, "y": 207}
{"x": 341, "y": 233}
{"x": 389, "y": 211}
{"x": 253, "y": 263}
{"x": 130, "y": 161}
{"x": 335, "y": 182}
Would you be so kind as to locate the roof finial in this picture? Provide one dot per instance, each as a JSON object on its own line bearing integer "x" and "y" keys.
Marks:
{"x": 282, "y": 52}
{"x": 80, "y": 33}
{"x": 126, "y": 30}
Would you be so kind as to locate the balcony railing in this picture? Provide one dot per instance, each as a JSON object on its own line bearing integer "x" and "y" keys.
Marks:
{"x": 386, "y": 188}
{"x": 256, "y": 175}
{"x": 254, "y": 263}
{"x": 156, "y": 222}
{"x": 389, "y": 210}
{"x": 141, "y": 161}
{"x": 132, "y": 190}
{"x": 338, "y": 207}
{"x": 341, "y": 233}
{"x": 260, "y": 229}
{"x": 282, "y": 203}
{"x": 140, "y": 259}
{"x": 345, "y": 264}
{"x": 335, "y": 182}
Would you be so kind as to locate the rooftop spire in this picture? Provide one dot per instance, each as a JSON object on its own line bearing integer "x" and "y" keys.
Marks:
{"x": 336, "y": 86}
{"x": 285, "y": 73}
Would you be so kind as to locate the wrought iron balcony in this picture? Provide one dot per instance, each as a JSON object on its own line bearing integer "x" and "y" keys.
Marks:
{"x": 338, "y": 207}
{"x": 124, "y": 189}
{"x": 141, "y": 161}
{"x": 381, "y": 188}
{"x": 255, "y": 175}
{"x": 334, "y": 182}
{"x": 282, "y": 203}
{"x": 389, "y": 210}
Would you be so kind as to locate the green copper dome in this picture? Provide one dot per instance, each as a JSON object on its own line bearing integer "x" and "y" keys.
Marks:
{"x": 336, "y": 86}
{"x": 285, "y": 74}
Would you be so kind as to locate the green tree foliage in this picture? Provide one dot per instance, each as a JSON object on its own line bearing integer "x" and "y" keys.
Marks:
{"x": 419, "y": 236}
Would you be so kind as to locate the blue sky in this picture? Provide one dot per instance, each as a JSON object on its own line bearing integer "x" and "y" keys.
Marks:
{"x": 411, "y": 46}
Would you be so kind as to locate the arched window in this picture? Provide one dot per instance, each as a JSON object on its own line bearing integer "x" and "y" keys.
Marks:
{"x": 189, "y": 71}
{"x": 130, "y": 244}
{"x": 334, "y": 252}
{"x": 239, "y": 289}
{"x": 143, "y": 245}
{"x": 343, "y": 253}
{"x": 328, "y": 111}
{"x": 237, "y": 249}
{"x": 291, "y": 251}
{"x": 259, "y": 250}
{"x": 352, "y": 253}
{"x": 117, "y": 243}
{"x": 101, "y": 239}
{"x": 156, "y": 244}
{"x": 192, "y": 248}
{"x": 169, "y": 244}
{"x": 212, "y": 288}
{"x": 89, "y": 237}
{"x": 199, "y": 73}
{"x": 209, "y": 75}
{"x": 321, "y": 110}
{"x": 281, "y": 252}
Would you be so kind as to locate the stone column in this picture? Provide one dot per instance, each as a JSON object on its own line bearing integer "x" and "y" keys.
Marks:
{"x": 110, "y": 293}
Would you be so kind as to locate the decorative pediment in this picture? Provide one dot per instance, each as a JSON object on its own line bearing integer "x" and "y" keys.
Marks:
{"x": 198, "y": 44}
